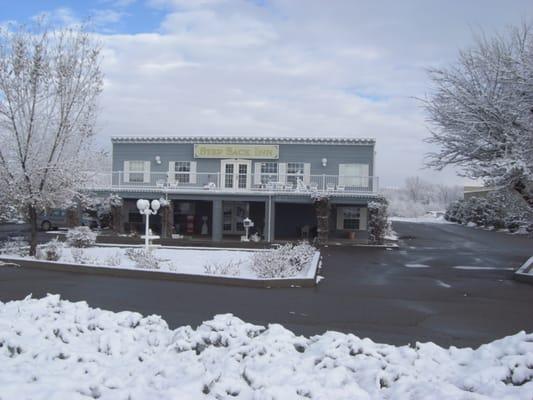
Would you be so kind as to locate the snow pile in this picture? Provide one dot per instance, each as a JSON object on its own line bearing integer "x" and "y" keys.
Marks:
{"x": 53, "y": 349}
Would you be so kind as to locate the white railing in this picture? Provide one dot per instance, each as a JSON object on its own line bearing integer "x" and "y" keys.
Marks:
{"x": 181, "y": 181}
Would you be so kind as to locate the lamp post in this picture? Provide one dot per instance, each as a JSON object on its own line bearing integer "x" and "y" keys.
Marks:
{"x": 144, "y": 209}
{"x": 247, "y": 223}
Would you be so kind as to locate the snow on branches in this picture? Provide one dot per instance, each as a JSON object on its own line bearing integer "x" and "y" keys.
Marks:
{"x": 50, "y": 80}
{"x": 482, "y": 115}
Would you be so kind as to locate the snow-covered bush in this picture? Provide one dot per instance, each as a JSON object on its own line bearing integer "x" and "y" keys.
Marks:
{"x": 79, "y": 257}
{"x": 499, "y": 209}
{"x": 377, "y": 221}
{"x": 81, "y": 236}
{"x": 283, "y": 262}
{"x": 113, "y": 260}
{"x": 50, "y": 251}
{"x": 228, "y": 268}
{"x": 143, "y": 259}
{"x": 16, "y": 246}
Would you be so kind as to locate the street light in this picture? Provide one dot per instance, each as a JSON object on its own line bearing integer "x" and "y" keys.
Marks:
{"x": 144, "y": 208}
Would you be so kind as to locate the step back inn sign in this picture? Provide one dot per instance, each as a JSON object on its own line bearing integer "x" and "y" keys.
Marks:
{"x": 249, "y": 151}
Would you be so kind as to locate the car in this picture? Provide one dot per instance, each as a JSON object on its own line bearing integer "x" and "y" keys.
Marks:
{"x": 56, "y": 218}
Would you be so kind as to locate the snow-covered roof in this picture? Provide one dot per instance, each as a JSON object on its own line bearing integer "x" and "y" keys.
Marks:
{"x": 242, "y": 139}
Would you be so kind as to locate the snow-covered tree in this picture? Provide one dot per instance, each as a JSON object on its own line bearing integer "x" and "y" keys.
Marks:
{"x": 482, "y": 112}
{"x": 50, "y": 79}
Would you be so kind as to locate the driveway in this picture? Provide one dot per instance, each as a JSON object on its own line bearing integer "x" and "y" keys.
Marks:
{"x": 447, "y": 284}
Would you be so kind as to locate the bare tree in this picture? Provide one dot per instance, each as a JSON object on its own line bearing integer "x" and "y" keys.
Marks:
{"x": 49, "y": 83}
{"x": 482, "y": 112}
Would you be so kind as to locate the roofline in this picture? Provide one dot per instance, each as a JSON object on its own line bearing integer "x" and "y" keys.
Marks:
{"x": 242, "y": 139}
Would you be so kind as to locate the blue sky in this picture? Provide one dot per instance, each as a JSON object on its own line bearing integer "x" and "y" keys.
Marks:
{"x": 279, "y": 67}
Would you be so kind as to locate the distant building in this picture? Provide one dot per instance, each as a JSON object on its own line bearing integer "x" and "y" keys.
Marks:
{"x": 477, "y": 191}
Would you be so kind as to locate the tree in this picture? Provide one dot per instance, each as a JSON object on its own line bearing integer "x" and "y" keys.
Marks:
{"x": 50, "y": 79}
{"x": 482, "y": 112}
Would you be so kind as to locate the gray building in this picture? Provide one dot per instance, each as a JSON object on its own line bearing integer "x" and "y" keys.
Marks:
{"x": 213, "y": 183}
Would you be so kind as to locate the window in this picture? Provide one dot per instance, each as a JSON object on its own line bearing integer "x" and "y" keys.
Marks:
{"x": 182, "y": 171}
{"x": 295, "y": 172}
{"x": 348, "y": 218}
{"x": 136, "y": 171}
{"x": 353, "y": 175}
{"x": 269, "y": 172}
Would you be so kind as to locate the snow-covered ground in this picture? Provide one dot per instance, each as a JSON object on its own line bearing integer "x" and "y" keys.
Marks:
{"x": 427, "y": 219}
{"x": 236, "y": 263}
{"x": 55, "y": 349}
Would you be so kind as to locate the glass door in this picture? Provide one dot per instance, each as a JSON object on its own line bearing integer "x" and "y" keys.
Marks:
{"x": 236, "y": 174}
{"x": 234, "y": 214}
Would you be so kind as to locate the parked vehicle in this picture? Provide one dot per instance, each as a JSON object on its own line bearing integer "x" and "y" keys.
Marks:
{"x": 56, "y": 218}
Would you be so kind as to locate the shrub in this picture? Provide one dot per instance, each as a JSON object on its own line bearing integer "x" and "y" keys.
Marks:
{"x": 285, "y": 261}
{"x": 377, "y": 221}
{"x": 79, "y": 257}
{"x": 50, "y": 251}
{"x": 143, "y": 258}
{"x": 231, "y": 268}
{"x": 15, "y": 246}
{"x": 113, "y": 260}
{"x": 81, "y": 236}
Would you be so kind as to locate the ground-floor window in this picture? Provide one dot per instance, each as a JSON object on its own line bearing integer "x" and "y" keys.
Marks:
{"x": 348, "y": 218}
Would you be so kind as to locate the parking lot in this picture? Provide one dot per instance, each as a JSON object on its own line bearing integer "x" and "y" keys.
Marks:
{"x": 447, "y": 284}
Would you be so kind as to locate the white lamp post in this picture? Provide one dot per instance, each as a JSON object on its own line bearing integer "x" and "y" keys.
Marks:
{"x": 144, "y": 209}
{"x": 247, "y": 223}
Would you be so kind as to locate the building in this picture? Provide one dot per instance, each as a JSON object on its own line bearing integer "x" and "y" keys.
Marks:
{"x": 213, "y": 183}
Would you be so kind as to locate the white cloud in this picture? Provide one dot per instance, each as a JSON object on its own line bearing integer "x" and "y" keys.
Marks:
{"x": 290, "y": 68}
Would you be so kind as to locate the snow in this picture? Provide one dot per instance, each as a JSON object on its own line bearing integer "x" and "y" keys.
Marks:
{"x": 417, "y": 266}
{"x": 427, "y": 219}
{"x": 56, "y": 349}
{"x": 176, "y": 260}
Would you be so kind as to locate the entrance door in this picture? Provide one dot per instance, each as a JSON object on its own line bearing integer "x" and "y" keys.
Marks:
{"x": 234, "y": 214}
{"x": 236, "y": 174}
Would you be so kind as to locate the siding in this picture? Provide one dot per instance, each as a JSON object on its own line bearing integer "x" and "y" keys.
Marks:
{"x": 309, "y": 153}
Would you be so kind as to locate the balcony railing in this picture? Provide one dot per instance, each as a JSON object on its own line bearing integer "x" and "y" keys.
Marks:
{"x": 216, "y": 181}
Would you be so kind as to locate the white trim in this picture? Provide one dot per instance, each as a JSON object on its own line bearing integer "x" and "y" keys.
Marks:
{"x": 282, "y": 172}
{"x": 242, "y": 139}
{"x": 257, "y": 173}
{"x": 126, "y": 171}
{"x": 171, "y": 171}
{"x": 307, "y": 173}
{"x": 363, "y": 217}
{"x": 146, "y": 175}
{"x": 192, "y": 173}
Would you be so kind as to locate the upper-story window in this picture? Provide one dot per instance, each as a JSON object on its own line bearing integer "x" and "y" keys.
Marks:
{"x": 182, "y": 171}
{"x": 136, "y": 171}
{"x": 269, "y": 172}
{"x": 295, "y": 172}
{"x": 355, "y": 175}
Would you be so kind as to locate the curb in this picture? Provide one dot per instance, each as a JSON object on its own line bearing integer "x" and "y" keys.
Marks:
{"x": 166, "y": 276}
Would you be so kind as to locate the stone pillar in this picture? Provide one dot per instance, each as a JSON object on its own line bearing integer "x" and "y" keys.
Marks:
{"x": 322, "y": 208}
{"x": 116, "y": 219}
{"x": 167, "y": 221}
{"x": 216, "y": 221}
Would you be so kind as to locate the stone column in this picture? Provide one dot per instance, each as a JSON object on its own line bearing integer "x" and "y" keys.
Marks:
{"x": 73, "y": 216}
{"x": 167, "y": 221}
{"x": 216, "y": 221}
{"x": 322, "y": 208}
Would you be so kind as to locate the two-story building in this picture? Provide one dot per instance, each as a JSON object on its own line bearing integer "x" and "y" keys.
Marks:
{"x": 213, "y": 183}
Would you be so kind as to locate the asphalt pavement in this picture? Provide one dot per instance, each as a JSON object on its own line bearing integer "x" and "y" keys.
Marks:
{"x": 446, "y": 283}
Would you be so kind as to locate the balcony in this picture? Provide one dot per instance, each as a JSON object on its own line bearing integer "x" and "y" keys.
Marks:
{"x": 234, "y": 183}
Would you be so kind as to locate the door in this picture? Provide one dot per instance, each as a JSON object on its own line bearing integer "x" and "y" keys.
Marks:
{"x": 236, "y": 174}
{"x": 234, "y": 214}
